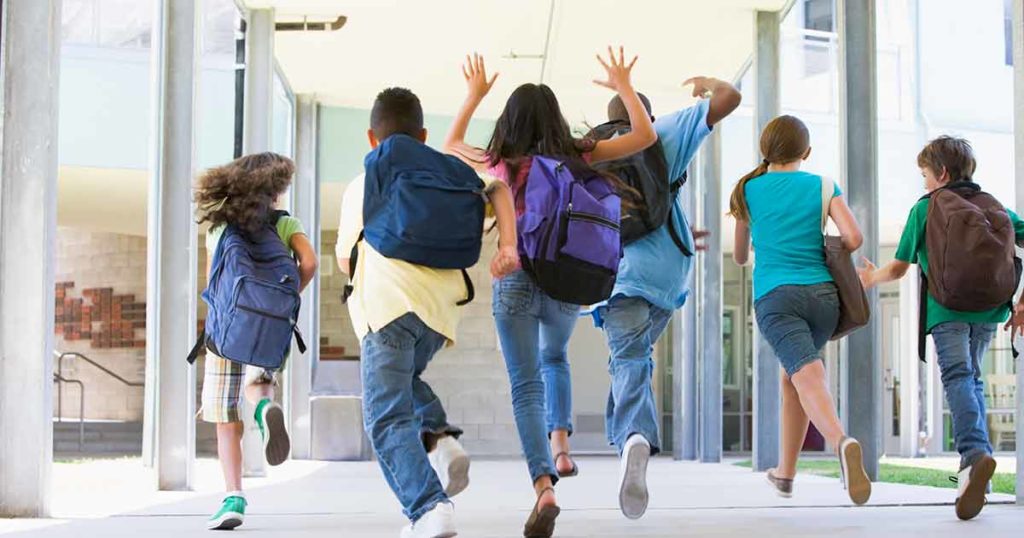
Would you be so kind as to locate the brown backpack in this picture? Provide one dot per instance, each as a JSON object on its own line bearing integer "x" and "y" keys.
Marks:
{"x": 972, "y": 264}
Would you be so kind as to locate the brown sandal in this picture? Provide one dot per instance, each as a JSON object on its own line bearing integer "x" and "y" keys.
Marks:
{"x": 572, "y": 472}
{"x": 541, "y": 523}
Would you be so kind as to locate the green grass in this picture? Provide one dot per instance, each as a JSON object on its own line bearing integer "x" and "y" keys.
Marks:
{"x": 902, "y": 474}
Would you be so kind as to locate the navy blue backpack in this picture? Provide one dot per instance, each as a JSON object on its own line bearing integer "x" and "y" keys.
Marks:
{"x": 253, "y": 298}
{"x": 421, "y": 206}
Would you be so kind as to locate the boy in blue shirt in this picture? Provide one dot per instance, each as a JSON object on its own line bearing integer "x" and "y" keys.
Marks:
{"x": 653, "y": 281}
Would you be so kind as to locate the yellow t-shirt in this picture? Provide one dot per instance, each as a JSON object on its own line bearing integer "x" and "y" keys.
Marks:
{"x": 385, "y": 289}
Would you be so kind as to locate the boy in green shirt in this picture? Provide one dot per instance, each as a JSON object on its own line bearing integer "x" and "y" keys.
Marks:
{"x": 961, "y": 338}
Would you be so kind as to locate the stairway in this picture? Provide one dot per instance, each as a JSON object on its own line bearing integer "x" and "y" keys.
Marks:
{"x": 106, "y": 439}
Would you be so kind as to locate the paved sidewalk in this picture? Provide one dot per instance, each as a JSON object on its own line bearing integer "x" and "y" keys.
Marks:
{"x": 313, "y": 499}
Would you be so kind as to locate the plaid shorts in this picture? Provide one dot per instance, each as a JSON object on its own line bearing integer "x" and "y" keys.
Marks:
{"x": 223, "y": 381}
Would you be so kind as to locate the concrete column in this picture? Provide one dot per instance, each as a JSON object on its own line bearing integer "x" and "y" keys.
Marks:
{"x": 257, "y": 127}
{"x": 711, "y": 303}
{"x": 30, "y": 65}
{"x": 684, "y": 351}
{"x": 1018, "y": 136}
{"x": 767, "y": 106}
{"x": 862, "y": 401}
{"x": 172, "y": 250}
{"x": 306, "y": 190}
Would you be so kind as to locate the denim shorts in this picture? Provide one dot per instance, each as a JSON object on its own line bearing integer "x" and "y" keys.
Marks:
{"x": 798, "y": 321}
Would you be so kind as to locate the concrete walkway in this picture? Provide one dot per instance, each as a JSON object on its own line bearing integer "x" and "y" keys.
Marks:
{"x": 313, "y": 499}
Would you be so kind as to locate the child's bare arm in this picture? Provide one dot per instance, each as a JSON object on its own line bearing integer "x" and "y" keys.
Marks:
{"x": 306, "y": 254}
{"x": 642, "y": 134}
{"x": 871, "y": 276}
{"x": 848, "y": 229}
{"x": 741, "y": 245}
{"x": 725, "y": 98}
{"x": 506, "y": 259}
{"x": 478, "y": 86}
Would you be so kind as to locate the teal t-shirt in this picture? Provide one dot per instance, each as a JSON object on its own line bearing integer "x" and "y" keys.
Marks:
{"x": 785, "y": 222}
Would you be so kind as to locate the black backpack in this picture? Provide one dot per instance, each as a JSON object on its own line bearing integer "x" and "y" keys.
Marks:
{"x": 647, "y": 173}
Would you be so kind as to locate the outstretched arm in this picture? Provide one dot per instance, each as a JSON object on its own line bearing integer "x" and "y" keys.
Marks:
{"x": 642, "y": 134}
{"x": 478, "y": 86}
{"x": 725, "y": 98}
{"x": 871, "y": 276}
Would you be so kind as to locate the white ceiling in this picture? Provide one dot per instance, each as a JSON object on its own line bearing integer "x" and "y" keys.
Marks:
{"x": 420, "y": 44}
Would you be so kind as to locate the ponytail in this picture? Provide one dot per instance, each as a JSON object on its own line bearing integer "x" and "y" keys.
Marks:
{"x": 738, "y": 200}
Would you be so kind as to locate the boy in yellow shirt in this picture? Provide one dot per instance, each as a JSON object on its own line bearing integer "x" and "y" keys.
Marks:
{"x": 404, "y": 313}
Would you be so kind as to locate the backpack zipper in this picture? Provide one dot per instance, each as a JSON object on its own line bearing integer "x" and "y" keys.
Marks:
{"x": 588, "y": 217}
{"x": 264, "y": 313}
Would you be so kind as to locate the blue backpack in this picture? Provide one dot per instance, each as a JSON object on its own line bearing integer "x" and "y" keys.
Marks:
{"x": 569, "y": 235}
{"x": 253, "y": 298}
{"x": 421, "y": 206}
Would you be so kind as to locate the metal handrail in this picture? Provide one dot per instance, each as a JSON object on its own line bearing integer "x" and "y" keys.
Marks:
{"x": 57, "y": 378}
{"x": 104, "y": 369}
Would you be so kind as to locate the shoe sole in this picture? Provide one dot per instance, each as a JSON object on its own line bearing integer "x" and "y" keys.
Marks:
{"x": 633, "y": 496}
{"x": 458, "y": 476}
{"x": 227, "y": 522}
{"x": 776, "y": 489}
{"x": 543, "y": 525}
{"x": 858, "y": 486}
{"x": 969, "y": 504}
{"x": 277, "y": 445}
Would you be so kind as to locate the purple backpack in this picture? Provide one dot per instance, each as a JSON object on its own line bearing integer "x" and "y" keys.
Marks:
{"x": 569, "y": 233}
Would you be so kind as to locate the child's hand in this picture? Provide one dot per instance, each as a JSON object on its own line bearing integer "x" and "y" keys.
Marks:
{"x": 866, "y": 273}
{"x": 505, "y": 261}
{"x": 1016, "y": 322}
{"x": 476, "y": 76}
{"x": 701, "y": 86}
{"x": 618, "y": 71}
{"x": 698, "y": 236}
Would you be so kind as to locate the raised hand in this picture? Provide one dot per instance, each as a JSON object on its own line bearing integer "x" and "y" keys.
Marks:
{"x": 475, "y": 74}
{"x": 617, "y": 70}
{"x": 701, "y": 86}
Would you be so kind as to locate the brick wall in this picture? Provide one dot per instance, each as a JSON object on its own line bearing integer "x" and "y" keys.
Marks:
{"x": 100, "y": 312}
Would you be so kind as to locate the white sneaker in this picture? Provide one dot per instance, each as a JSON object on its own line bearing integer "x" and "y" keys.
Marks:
{"x": 972, "y": 483}
{"x": 851, "y": 466}
{"x": 437, "y": 523}
{"x": 451, "y": 463}
{"x": 633, "y": 495}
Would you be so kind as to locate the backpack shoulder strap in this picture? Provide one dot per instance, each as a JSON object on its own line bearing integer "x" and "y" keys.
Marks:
{"x": 353, "y": 257}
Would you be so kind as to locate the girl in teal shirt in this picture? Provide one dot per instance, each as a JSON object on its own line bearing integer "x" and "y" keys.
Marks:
{"x": 796, "y": 301}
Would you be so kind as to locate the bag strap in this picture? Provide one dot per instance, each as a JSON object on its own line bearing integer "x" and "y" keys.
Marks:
{"x": 470, "y": 290}
{"x": 922, "y": 317}
{"x": 827, "y": 188}
{"x": 353, "y": 257}
{"x": 677, "y": 239}
{"x": 197, "y": 348}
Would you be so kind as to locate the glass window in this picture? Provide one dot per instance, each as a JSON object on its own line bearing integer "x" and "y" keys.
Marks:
{"x": 819, "y": 15}
{"x": 1008, "y": 31}
{"x": 220, "y": 22}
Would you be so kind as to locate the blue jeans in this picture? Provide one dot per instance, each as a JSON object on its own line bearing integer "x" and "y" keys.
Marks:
{"x": 961, "y": 347}
{"x": 632, "y": 325}
{"x": 534, "y": 330}
{"x": 399, "y": 408}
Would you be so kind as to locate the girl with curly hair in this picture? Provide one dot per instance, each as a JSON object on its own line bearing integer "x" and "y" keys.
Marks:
{"x": 245, "y": 193}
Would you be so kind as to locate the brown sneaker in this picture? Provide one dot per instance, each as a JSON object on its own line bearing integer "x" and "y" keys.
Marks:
{"x": 972, "y": 482}
{"x": 783, "y": 486}
{"x": 851, "y": 464}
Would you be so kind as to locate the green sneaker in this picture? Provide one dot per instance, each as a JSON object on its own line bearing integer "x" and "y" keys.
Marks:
{"x": 276, "y": 444}
{"x": 230, "y": 515}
